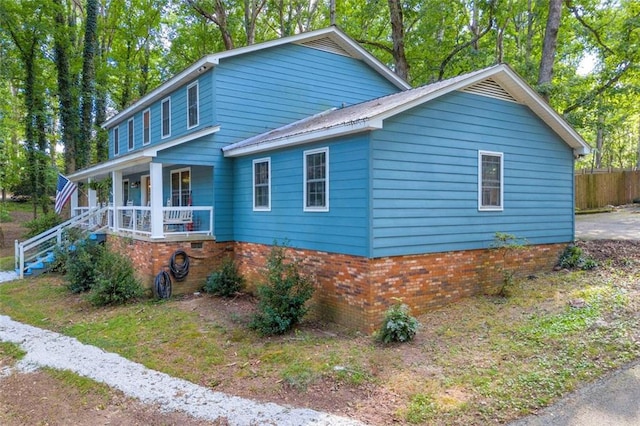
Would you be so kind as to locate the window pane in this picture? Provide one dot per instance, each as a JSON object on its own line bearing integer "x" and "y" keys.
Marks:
{"x": 192, "y": 94}
{"x": 166, "y": 119}
{"x": 130, "y": 134}
{"x": 261, "y": 184}
{"x": 316, "y": 180}
{"x": 146, "y": 127}
{"x": 116, "y": 141}
{"x": 491, "y": 180}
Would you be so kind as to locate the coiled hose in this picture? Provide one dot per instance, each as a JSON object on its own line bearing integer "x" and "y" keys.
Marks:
{"x": 179, "y": 270}
{"x": 163, "y": 285}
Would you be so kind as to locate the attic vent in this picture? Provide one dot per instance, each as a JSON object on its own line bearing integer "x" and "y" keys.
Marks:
{"x": 491, "y": 89}
{"x": 326, "y": 44}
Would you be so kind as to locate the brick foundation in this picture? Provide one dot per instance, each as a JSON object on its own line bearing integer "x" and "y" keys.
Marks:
{"x": 151, "y": 257}
{"x": 350, "y": 290}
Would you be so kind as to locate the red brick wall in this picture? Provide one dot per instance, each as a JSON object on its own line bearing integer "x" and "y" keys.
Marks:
{"x": 151, "y": 257}
{"x": 351, "y": 290}
{"x": 356, "y": 291}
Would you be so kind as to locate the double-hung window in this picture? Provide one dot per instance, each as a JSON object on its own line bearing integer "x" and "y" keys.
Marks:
{"x": 316, "y": 180}
{"x": 165, "y": 117}
{"x": 490, "y": 181}
{"x": 146, "y": 127}
{"x": 181, "y": 187}
{"x": 262, "y": 184}
{"x": 116, "y": 141}
{"x": 193, "y": 117}
{"x": 130, "y": 134}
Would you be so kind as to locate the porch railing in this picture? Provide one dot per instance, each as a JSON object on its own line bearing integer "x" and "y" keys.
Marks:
{"x": 190, "y": 220}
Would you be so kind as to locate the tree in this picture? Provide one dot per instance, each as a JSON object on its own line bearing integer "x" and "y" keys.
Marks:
{"x": 549, "y": 47}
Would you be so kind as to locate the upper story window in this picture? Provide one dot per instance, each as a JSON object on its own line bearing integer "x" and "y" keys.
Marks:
{"x": 262, "y": 184}
{"x": 146, "y": 127}
{"x": 130, "y": 134}
{"x": 116, "y": 140}
{"x": 490, "y": 181}
{"x": 165, "y": 117}
{"x": 316, "y": 180}
{"x": 193, "y": 114}
{"x": 181, "y": 187}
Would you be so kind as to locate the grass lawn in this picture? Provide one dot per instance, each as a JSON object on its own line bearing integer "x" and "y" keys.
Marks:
{"x": 482, "y": 360}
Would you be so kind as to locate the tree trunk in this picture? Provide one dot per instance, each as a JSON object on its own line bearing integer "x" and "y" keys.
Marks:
{"x": 332, "y": 12}
{"x": 599, "y": 141}
{"x": 88, "y": 88}
{"x": 549, "y": 47}
{"x": 638, "y": 148}
{"x": 397, "y": 36}
{"x": 66, "y": 95}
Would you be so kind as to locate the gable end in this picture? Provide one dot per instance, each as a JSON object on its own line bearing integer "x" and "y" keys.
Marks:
{"x": 326, "y": 44}
{"x": 489, "y": 88}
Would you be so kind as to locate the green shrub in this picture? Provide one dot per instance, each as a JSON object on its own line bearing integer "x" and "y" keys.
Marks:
{"x": 62, "y": 252}
{"x": 226, "y": 281}
{"x": 398, "y": 325}
{"x": 282, "y": 299}
{"x": 573, "y": 257}
{"x": 42, "y": 223}
{"x": 82, "y": 265}
{"x": 115, "y": 281}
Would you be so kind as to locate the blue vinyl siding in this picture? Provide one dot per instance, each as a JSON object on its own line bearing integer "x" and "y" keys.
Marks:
{"x": 343, "y": 229}
{"x": 277, "y": 86}
{"x": 425, "y": 176}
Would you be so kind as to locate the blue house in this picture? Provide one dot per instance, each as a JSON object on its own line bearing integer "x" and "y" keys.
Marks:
{"x": 380, "y": 190}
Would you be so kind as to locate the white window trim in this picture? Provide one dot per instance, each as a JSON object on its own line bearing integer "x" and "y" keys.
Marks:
{"x": 116, "y": 141}
{"x": 162, "y": 135}
{"x": 131, "y": 134}
{"x": 197, "y": 105}
{"x": 146, "y": 111}
{"x": 171, "y": 172}
{"x": 266, "y": 208}
{"x": 482, "y": 207}
{"x": 325, "y": 208}
{"x": 144, "y": 181}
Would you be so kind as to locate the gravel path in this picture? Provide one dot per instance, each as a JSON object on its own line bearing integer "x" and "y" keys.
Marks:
{"x": 48, "y": 349}
{"x": 8, "y": 276}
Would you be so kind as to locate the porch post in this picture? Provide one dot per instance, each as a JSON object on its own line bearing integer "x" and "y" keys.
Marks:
{"x": 74, "y": 203}
{"x": 116, "y": 177}
{"x": 155, "y": 174}
{"x": 92, "y": 195}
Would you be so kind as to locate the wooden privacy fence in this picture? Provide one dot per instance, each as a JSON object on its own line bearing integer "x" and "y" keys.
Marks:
{"x": 594, "y": 190}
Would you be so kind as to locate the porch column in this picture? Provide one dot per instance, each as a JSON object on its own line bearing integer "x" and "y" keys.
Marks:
{"x": 117, "y": 194}
{"x": 92, "y": 195}
{"x": 155, "y": 174}
{"x": 74, "y": 203}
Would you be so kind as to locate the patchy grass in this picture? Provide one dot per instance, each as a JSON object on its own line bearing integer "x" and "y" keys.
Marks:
{"x": 10, "y": 353}
{"x": 482, "y": 360}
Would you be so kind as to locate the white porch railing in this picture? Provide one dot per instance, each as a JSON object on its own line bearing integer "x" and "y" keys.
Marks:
{"x": 190, "y": 220}
{"x": 36, "y": 247}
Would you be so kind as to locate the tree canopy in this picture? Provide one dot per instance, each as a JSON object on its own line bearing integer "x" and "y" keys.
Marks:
{"x": 67, "y": 65}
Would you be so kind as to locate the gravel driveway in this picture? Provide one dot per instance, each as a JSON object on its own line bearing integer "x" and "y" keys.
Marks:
{"x": 623, "y": 223}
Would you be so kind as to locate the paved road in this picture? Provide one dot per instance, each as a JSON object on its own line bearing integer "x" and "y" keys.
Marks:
{"x": 621, "y": 224}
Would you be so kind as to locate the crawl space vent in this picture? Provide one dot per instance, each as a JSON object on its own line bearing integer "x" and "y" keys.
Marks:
{"x": 491, "y": 89}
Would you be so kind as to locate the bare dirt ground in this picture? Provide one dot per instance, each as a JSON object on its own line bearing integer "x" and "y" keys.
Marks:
{"x": 11, "y": 231}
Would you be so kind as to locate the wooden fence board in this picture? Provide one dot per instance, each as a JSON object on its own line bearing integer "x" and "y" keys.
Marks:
{"x": 596, "y": 190}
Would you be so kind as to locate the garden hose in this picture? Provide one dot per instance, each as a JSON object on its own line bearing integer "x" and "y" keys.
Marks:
{"x": 163, "y": 285}
{"x": 179, "y": 270}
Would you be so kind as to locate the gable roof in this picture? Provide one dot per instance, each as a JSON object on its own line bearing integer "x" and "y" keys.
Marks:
{"x": 497, "y": 81}
{"x": 330, "y": 39}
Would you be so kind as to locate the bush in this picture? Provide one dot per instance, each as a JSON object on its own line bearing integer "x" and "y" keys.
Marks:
{"x": 41, "y": 224}
{"x": 115, "y": 281}
{"x": 282, "y": 299}
{"x": 573, "y": 257}
{"x": 82, "y": 265}
{"x": 62, "y": 252}
{"x": 226, "y": 281}
{"x": 398, "y": 325}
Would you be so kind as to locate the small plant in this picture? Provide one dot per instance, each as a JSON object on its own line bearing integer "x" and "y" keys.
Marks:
{"x": 226, "y": 281}
{"x": 282, "y": 299}
{"x": 115, "y": 282}
{"x": 573, "y": 257}
{"x": 398, "y": 325}
{"x": 41, "y": 224}
{"x": 507, "y": 245}
{"x": 82, "y": 265}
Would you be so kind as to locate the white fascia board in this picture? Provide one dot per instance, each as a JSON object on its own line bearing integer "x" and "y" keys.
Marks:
{"x": 305, "y": 138}
{"x": 138, "y": 157}
{"x": 201, "y": 66}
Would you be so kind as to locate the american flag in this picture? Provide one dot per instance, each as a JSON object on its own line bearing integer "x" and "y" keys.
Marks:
{"x": 63, "y": 191}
